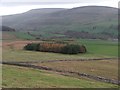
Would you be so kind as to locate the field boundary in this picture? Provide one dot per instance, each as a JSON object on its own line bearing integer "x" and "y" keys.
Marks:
{"x": 43, "y": 61}
{"x": 98, "y": 78}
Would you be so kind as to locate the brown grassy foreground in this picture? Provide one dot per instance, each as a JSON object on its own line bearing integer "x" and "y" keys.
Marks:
{"x": 103, "y": 68}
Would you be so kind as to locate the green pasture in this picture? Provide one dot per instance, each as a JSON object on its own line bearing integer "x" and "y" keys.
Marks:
{"x": 100, "y": 47}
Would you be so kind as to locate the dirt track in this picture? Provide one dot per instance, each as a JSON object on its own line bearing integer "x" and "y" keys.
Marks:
{"x": 43, "y": 61}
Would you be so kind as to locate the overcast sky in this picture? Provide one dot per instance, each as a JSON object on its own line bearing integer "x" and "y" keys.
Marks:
{"x": 8, "y": 7}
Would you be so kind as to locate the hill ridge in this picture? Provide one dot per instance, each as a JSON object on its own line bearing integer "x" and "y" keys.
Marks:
{"x": 92, "y": 20}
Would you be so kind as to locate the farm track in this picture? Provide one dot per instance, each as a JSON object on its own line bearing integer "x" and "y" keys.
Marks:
{"x": 43, "y": 61}
{"x": 98, "y": 78}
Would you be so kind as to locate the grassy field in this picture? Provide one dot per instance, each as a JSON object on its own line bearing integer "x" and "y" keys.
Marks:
{"x": 14, "y": 77}
{"x": 101, "y": 47}
{"x": 95, "y": 49}
{"x": 22, "y": 55}
{"x": 104, "y": 68}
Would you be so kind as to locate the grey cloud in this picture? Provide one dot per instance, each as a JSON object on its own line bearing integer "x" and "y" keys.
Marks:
{"x": 44, "y": 2}
{"x": 34, "y": 3}
{"x": 84, "y": 1}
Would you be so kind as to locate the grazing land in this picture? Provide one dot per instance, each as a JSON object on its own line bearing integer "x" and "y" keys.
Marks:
{"x": 14, "y": 77}
{"x": 103, "y": 68}
{"x": 101, "y": 47}
{"x": 24, "y": 56}
{"x": 13, "y": 52}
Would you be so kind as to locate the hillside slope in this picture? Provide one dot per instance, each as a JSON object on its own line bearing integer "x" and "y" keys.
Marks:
{"x": 85, "y": 22}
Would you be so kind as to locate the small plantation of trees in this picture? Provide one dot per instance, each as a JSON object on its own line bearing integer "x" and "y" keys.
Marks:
{"x": 71, "y": 49}
{"x": 32, "y": 47}
{"x": 56, "y": 48}
{"x": 51, "y": 47}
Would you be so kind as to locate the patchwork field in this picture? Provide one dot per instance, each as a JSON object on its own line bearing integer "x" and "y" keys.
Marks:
{"x": 14, "y": 76}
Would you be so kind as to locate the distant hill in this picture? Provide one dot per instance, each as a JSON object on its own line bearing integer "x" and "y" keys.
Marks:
{"x": 81, "y": 22}
{"x": 29, "y": 19}
{"x": 5, "y": 28}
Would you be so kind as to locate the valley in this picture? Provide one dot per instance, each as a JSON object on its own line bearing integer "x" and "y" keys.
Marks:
{"x": 97, "y": 31}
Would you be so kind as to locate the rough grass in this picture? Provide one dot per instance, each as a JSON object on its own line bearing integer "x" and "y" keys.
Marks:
{"x": 22, "y": 55}
{"x": 103, "y": 68}
{"x": 18, "y": 77}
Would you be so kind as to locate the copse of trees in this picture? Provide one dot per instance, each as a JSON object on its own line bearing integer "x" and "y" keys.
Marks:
{"x": 32, "y": 47}
{"x": 56, "y": 48}
{"x": 71, "y": 49}
{"x": 51, "y": 47}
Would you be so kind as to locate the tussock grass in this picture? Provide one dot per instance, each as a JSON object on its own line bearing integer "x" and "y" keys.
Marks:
{"x": 103, "y": 68}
